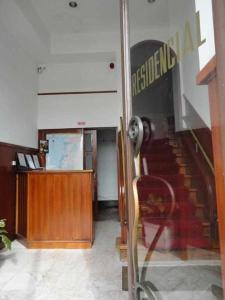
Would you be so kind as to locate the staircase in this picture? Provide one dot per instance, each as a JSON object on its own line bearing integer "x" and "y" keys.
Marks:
{"x": 188, "y": 225}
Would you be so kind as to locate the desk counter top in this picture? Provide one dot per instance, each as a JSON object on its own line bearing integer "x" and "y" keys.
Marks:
{"x": 44, "y": 171}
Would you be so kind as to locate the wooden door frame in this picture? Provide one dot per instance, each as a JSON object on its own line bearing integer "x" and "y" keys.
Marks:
{"x": 208, "y": 76}
{"x": 217, "y": 92}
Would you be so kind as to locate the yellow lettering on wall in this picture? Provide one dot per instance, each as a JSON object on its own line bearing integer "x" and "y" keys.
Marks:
{"x": 163, "y": 59}
{"x": 143, "y": 80}
{"x": 134, "y": 85}
{"x": 138, "y": 80}
{"x": 188, "y": 40}
{"x": 200, "y": 41}
{"x": 156, "y": 62}
{"x": 146, "y": 73}
{"x": 151, "y": 70}
{"x": 171, "y": 61}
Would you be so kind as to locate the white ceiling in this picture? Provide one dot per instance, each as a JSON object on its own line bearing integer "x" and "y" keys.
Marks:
{"x": 96, "y": 15}
{"x": 63, "y": 30}
{"x": 89, "y": 16}
{"x": 145, "y": 15}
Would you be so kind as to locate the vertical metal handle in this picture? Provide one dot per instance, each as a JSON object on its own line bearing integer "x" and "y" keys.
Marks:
{"x": 128, "y": 151}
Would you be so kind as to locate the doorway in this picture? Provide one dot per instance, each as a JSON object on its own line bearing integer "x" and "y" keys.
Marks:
{"x": 107, "y": 174}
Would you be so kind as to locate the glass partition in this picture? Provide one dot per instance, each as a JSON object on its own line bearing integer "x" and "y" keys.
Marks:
{"x": 176, "y": 245}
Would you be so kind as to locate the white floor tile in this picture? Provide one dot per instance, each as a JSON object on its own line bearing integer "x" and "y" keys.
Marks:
{"x": 64, "y": 274}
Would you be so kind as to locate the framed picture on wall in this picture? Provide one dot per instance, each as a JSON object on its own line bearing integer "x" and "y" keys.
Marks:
{"x": 21, "y": 160}
{"x": 65, "y": 151}
{"x": 30, "y": 161}
{"x": 36, "y": 161}
{"x": 43, "y": 146}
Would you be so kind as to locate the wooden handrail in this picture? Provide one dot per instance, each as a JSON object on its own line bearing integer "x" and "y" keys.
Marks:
{"x": 210, "y": 164}
{"x": 210, "y": 187}
{"x": 186, "y": 120}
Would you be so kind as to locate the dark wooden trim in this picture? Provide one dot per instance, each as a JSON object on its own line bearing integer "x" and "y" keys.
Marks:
{"x": 8, "y": 145}
{"x": 43, "y": 132}
{"x": 207, "y": 73}
{"x": 8, "y": 182}
{"x": 121, "y": 188}
{"x": 77, "y": 93}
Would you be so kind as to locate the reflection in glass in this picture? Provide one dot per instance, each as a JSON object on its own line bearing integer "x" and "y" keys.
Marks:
{"x": 177, "y": 237}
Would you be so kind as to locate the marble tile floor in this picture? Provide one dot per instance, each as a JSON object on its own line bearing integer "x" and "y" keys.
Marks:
{"x": 94, "y": 274}
{"x": 186, "y": 282}
{"x": 108, "y": 213}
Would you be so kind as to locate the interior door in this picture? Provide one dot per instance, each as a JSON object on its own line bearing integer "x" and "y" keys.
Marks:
{"x": 173, "y": 239}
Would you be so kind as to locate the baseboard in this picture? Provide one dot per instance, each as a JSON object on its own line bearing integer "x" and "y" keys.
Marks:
{"x": 108, "y": 204}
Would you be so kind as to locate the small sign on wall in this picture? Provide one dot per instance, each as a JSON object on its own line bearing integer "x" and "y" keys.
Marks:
{"x": 81, "y": 123}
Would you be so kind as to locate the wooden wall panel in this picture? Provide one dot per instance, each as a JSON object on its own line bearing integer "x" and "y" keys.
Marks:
{"x": 59, "y": 208}
{"x": 8, "y": 183}
{"x": 21, "y": 206}
{"x": 121, "y": 191}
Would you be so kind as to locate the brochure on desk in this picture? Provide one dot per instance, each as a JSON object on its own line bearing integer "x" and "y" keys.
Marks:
{"x": 65, "y": 152}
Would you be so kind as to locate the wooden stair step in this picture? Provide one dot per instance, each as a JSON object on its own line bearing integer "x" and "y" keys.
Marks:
{"x": 193, "y": 195}
{"x": 206, "y": 229}
{"x": 179, "y": 159}
{"x": 199, "y": 210}
{"x": 187, "y": 181}
{"x": 177, "y": 150}
{"x": 183, "y": 168}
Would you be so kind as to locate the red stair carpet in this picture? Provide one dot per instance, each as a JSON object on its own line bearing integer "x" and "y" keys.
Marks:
{"x": 183, "y": 229}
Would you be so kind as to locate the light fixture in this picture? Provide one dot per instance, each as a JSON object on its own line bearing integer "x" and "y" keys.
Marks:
{"x": 73, "y": 4}
{"x": 112, "y": 65}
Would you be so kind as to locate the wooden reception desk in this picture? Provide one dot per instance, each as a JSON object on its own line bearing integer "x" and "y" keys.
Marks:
{"x": 54, "y": 209}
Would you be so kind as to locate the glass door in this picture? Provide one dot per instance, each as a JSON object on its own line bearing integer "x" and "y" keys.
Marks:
{"x": 173, "y": 239}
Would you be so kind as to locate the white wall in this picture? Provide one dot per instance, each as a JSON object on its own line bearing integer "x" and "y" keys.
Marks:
{"x": 206, "y": 51}
{"x": 28, "y": 32}
{"x": 107, "y": 165}
{"x": 151, "y": 33}
{"x": 182, "y": 11}
{"x": 99, "y": 42}
{"x": 80, "y": 76}
{"x": 18, "y": 93}
{"x": 66, "y": 111}
{"x": 179, "y": 12}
